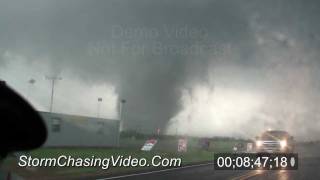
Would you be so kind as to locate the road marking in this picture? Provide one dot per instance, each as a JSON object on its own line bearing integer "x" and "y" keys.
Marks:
{"x": 248, "y": 175}
{"x": 156, "y": 171}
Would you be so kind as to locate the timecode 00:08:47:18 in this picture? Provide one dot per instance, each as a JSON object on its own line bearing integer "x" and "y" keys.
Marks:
{"x": 250, "y": 161}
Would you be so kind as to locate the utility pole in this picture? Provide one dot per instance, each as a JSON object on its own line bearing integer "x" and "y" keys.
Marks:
{"x": 53, "y": 79}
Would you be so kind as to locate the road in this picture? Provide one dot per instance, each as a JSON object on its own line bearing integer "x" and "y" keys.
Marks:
{"x": 309, "y": 168}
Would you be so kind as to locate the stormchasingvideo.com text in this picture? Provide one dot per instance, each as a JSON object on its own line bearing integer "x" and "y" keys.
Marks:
{"x": 104, "y": 163}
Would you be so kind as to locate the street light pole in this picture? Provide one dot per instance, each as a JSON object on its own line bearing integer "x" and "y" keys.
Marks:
{"x": 53, "y": 79}
{"x": 31, "y": 83}
{"x": 99, "y": 106}
{"x": 121, "y": 103}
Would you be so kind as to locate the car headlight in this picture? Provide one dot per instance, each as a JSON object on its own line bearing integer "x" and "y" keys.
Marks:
{"x": 258, "y": 143}
{"x": 283, "y": 143}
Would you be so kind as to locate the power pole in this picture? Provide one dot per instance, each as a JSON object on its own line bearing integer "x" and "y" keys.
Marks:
{"x": 53, "y": 79}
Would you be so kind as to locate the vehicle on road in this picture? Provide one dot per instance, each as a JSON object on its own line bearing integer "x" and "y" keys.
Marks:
{"x": 274, "y": 141}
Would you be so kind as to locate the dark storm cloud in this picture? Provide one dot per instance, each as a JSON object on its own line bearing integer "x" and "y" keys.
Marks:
{"x": 70, "y": 32}
{"x": 146, "y": 48}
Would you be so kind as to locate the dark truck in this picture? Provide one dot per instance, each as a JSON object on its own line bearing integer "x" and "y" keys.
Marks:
{"x": 274, "y": 142}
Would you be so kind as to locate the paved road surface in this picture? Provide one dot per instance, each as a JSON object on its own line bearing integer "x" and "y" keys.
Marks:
{"x": 309, "y": 169}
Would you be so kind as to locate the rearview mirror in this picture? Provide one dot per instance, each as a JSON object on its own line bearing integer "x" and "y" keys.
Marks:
{"x": 21, "y": 127}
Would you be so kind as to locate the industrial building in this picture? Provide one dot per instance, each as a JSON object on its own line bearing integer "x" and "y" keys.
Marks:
{"x": 80, "y": 131}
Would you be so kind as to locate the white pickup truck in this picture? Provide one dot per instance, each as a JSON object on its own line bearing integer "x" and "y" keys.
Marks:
{"x": 274, "y": 142}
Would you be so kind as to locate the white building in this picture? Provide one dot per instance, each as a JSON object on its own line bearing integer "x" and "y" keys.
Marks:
{"x": 75, "y": 131}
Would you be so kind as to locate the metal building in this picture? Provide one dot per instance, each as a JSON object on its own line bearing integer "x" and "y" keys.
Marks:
{"x": 75, "y": 131}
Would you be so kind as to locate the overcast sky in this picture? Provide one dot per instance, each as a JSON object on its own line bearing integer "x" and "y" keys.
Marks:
{"x": 207, "y": 68}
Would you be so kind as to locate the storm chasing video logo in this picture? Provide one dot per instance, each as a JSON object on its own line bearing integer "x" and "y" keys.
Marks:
{"x": 104, "y": 163}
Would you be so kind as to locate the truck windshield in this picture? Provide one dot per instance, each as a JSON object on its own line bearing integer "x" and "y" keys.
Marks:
{"x": 274, "y": 135}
